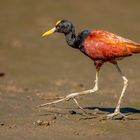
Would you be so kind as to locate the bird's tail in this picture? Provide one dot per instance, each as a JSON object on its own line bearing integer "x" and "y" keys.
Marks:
{"x": 137, "y": 50}
{"x": 135, "y": 47}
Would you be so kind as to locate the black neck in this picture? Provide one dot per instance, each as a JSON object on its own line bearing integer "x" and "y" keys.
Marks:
{"x": 76, "y": 41}
{"x": 71, "y": 39}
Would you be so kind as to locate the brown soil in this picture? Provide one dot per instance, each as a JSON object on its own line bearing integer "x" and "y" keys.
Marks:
{"x": 34, "y": 68}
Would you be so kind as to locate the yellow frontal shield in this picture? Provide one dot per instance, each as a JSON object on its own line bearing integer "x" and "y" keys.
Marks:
{"x": 49, "y": 32}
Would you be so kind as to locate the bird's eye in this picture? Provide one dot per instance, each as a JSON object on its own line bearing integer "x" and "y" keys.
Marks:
{"x": 62, "y": 26}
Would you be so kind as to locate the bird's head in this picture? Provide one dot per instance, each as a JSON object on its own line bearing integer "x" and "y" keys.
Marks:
{"x": 61, "y": 26}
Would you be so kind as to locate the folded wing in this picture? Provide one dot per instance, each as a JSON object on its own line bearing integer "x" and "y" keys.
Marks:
{"x": 105, "y": 45}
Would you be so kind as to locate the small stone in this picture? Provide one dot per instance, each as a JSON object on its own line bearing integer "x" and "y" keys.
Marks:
{"x": 96, "y": 110}
{"x": 41, "y": 123}
{"x": 54, "y": 117}
{"x": 60, "y": 115}
{"x": 67, "y": 116}
{"x": 2, "y": 124}
{"x": 47, "y": 123}
{"x": 72, "y": 112}
{"x": 97, "y": 133}
{"x": 54, "y": 121}
{"x": 13, "y": 126}
{"x": 81, "y": 85}
{"x": 2, "y": 74}
{"x": 76, "y": 133}
{"x": 26, "y": 89}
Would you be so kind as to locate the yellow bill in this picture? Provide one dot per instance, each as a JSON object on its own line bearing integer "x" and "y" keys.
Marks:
{"x": 58, "y": 22}
{"x": 49, "y": 32}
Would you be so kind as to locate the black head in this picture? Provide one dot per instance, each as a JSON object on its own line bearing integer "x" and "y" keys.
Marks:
{"x": 62, "y": 26}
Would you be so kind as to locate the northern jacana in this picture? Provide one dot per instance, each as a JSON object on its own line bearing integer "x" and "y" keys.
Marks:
{"x": 101, "y": 46}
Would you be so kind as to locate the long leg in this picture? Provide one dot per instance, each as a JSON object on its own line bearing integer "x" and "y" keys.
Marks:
{"x": 74, "y": 95}
{"x": 117, "y": 110}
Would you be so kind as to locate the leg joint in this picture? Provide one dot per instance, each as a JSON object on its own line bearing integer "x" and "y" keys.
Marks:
{"x": 125, "y": 80}
{"x": 95, "y": 88}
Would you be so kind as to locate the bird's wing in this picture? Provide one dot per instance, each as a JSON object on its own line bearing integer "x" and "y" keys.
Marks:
{"x": 103, "y": 44}
{"x": 113, "y": 39}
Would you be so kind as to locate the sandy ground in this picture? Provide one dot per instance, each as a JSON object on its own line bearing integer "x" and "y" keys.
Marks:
{"x": 34, "y": 68}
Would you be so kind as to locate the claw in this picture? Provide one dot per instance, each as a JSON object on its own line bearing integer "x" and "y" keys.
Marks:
{"x": 116, "y": 113}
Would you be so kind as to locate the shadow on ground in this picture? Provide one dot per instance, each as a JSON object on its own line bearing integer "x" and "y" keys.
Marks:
{"x": 128, "y": 110}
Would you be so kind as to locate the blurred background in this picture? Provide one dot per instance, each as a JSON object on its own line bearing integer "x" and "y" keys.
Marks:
{"x": 29, "y": 60}
{"x": 32, "y": 67}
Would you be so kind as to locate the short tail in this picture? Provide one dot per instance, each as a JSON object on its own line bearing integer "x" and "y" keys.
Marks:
{"x": 136, "y": 50}
{"x": 135, "y": 47}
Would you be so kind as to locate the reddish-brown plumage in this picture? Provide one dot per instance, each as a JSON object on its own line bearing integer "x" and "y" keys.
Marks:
{"x": 105, "y": 46}
{"x": 100, "y": 46}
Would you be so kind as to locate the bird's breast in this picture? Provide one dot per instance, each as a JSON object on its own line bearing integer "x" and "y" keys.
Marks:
{"x": 95, "y": 50}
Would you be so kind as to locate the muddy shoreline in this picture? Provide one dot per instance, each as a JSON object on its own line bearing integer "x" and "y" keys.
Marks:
{"x": 34, "y": 68}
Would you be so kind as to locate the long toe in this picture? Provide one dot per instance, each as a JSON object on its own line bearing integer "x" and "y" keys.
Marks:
{"x": 117, "y": 114}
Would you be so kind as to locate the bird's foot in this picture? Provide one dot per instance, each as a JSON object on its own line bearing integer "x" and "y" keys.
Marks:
{"x": 65, "y": 98}
{"x": 117, "y": 114}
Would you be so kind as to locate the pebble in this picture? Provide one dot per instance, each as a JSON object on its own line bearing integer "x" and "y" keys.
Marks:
{"x": 72, "y": 112}
{"x": 13, "y": 126}
{"x": 76, "y": 133}
{"x": 2, "y": 74}
{"x": 60, "y": 115}
{"x": 2, "y": 124}
{"x": 54, "y": 117}
{"x": 96, "y": 110}
{"x": 26, "y": 89}
{"x": 81, "y": 85}
{"x": 41, "y": 123}
{"x": 67, "y": 116}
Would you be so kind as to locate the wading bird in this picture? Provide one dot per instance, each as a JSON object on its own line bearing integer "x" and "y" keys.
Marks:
{"x": 101, "y": 46}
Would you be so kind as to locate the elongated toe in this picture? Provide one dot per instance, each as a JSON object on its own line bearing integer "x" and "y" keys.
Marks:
{"x": 115, "y": 114}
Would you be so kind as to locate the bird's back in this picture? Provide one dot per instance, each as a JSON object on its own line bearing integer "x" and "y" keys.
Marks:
{"x": 107, "y": 46}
